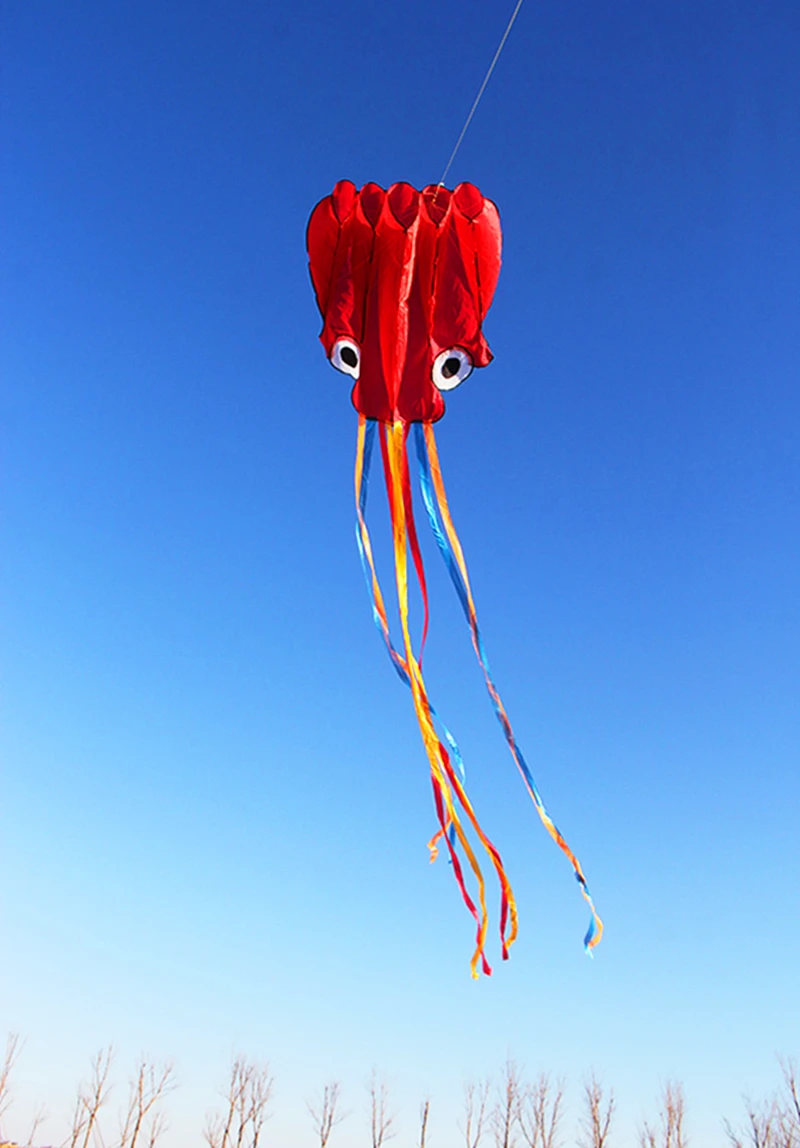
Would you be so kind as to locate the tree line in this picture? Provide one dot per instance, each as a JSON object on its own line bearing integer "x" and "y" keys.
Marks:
{"x": 514, "y": 1112}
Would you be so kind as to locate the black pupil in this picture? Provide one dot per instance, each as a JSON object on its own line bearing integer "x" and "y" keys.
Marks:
{"x": 349, "y": 356}
{"x": 451, "y": 367}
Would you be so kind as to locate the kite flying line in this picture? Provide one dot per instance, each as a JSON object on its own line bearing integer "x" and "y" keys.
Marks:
{"x": 481, "y": 90}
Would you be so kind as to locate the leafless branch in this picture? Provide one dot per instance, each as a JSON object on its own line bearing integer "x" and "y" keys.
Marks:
{"x": 476, "y": 1100}
{"x": 540, "y": 1112}
{"x": 424, "y": 1112}
{"x": 775, "y": 1123}
{"x": 790, "y": 1104}
{"x": 13, "y": 1049}
{"x": 39, "y": 1117}
{"x": 670, "y": 1133}
{"x": 760, "y": 1128}
{"x": 158, "y": 1127}
{"x": 380, "y": 1120}
{"x": 147, "y": 1090}
{"x": 598, "y": 1115}
{"x": 324, "y": 1113}
{"x": 247, "y": 1098}
{"x": 91, "y": 1098}
{"x": 505, "y": 1117}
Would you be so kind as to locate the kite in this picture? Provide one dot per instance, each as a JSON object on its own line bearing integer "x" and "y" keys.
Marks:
{"x": 404, "y": 280}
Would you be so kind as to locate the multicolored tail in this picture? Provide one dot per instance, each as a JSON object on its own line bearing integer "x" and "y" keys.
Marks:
{"x": 450, "y": 798}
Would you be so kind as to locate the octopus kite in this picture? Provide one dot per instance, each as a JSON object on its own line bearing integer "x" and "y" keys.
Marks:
{"x": 404, "y": 280}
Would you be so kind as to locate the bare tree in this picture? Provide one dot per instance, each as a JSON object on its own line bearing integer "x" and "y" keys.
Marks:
{"x": 39, "y": 1117}
{"x": 143, "y": 1122}
{"x": 790, "y": 1106}
{"x": 670, "y": 1133}
{"x": 424, "y": 1112}
{"x": 91, "y": 1098}
{"x": 505, "y": 1116}
{"x": 380, "y": 1120}
{"x": 13, "y": 1049}
{"x": 774, "y": 1124}
{"x": 599, "y": 1112}
{"x": 760, "y": 1128}
{"x": 476, "y": 1100}
{"x": 324, "y": 1113}
{"x": 247, "y": 1098}
{"x": 540, "y": 1112}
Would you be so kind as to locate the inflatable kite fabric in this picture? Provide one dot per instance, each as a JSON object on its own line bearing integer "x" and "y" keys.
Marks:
{"x": 403, "y": 280}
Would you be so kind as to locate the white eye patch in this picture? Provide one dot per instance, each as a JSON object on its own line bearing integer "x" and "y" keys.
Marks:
{"x": 346, "y": 357}
{"x": 450, "y": 368}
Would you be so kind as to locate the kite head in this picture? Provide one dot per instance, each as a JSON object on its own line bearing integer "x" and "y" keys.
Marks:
{"x": 404, "y": 279}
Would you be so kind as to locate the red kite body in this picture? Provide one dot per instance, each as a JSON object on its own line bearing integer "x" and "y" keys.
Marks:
{"x": 402, "y": 278}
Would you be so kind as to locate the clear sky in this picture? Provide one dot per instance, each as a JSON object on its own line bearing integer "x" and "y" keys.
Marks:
{"x": 215, "y": 799}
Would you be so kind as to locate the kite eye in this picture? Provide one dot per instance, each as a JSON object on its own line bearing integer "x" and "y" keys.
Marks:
{"x": 346, "y": 357}
{"x": 451, "y": 368}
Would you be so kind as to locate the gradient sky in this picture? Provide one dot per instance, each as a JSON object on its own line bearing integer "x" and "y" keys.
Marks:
{"x": 215, "y": 798}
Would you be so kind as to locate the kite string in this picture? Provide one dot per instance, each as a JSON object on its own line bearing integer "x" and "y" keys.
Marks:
{"x": 481, "y": 90}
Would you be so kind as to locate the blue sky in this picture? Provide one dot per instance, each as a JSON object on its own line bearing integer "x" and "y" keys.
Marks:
{"x": 215, "y": 797}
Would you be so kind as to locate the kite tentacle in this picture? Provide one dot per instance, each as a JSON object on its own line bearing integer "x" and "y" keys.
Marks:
{"x": 393, "y": 444}
{"x": 395, "y": 438}
{"x": 448, "y": 832}
{"x": 364, "y": 448}
{"x": 436, "y": 505}
{"x": 413, "y": 541}
{"x": 508, "y": 906}
{"x": 444, "y": 779}
{"x": 365, "y": 444}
